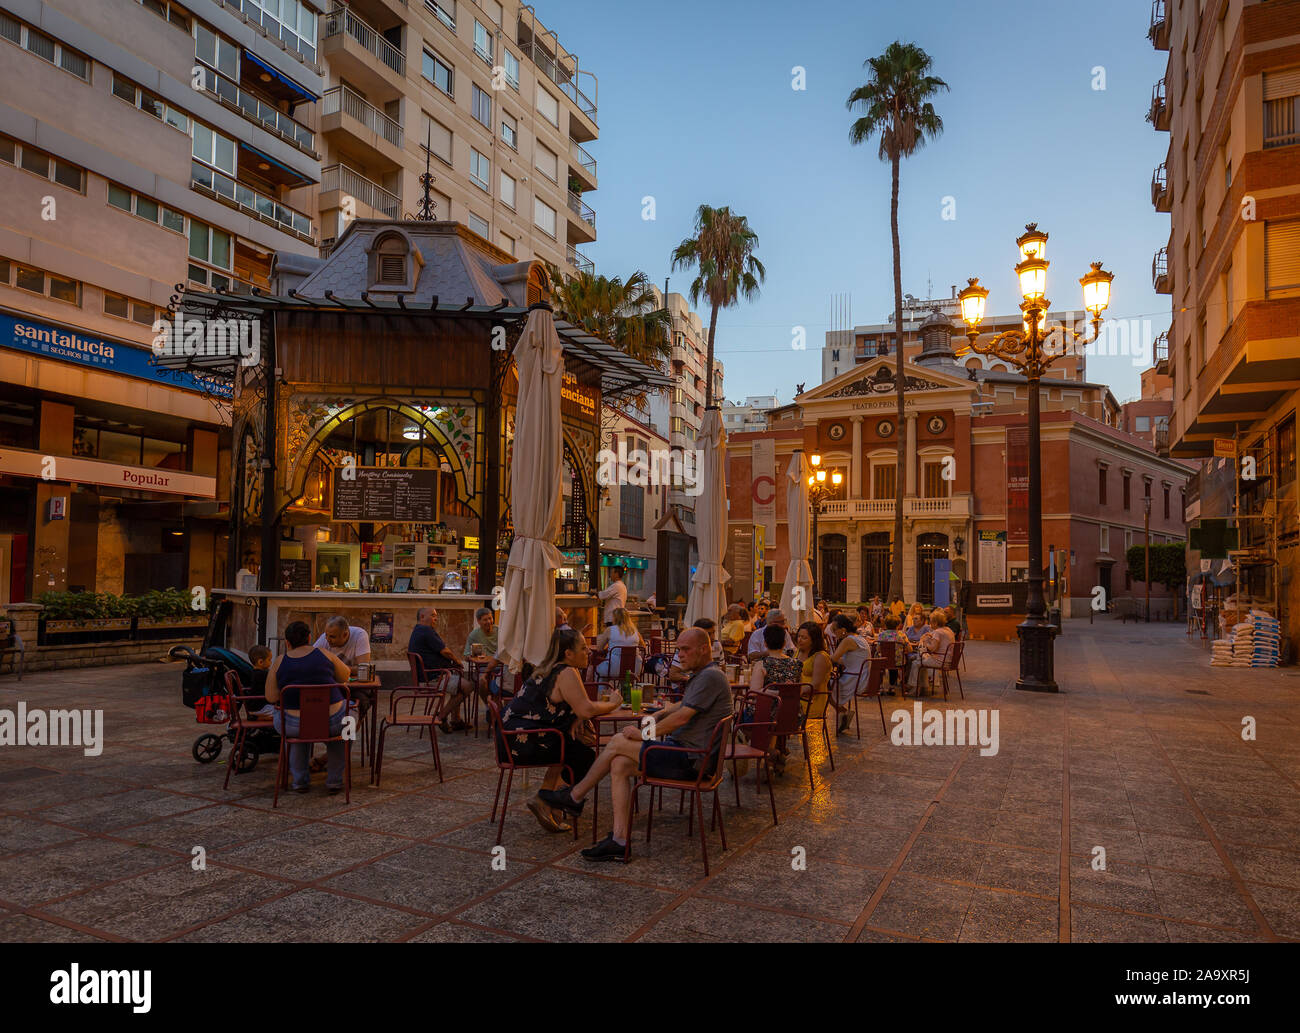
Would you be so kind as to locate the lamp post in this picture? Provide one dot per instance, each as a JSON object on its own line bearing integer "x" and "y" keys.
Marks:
{"x": 1032, "y": 352}
{"x": 1146, "y": 551}
{"x": 818, "y": 492}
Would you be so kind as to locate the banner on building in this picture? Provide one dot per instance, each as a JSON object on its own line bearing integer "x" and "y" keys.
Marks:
{"x": 740, "y": 559}
{"x": 764, "y": 485}
{"x": 760, "y": 557}
{"x": 992, "y": 547}
{"x": 1018, "y": 485}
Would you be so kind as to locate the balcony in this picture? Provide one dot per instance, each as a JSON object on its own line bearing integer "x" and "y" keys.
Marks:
{"x": 260, "y": 206}
{"x": 883, "y": 509}
{"x": 958, "y": 506}
{"x": 582, "y": 164}
{"x": 228, "y": 92}
{"x": 583, "y": 223}
{"x": 343, "y": 110}
{"x": 541, "y": 47}
{"x": 1161, "y": 280}
{"x": 362, "y": 53}
{"x": 1158, "y": 34}
{"x": 1162, "y": 441}
{"x": 1160, "y": 353}
{"x": 579, "y": 261}
{"x": 1160, "y": 195}
{"x": 349, "y": 183}
{"x": 1158, "y": 115}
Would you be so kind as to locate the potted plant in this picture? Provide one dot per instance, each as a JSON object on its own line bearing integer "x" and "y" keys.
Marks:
{"x": 162, "y": 613}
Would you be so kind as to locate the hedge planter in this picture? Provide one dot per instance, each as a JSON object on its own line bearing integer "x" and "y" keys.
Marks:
{"x": 71, "y": 632}
{"x": 148, "y": 628}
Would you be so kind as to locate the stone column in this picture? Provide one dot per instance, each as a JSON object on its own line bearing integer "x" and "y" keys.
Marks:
{"x": 52, "y": 537}
{"x": 911, "y": 454}
{"x": 855, "y": 480}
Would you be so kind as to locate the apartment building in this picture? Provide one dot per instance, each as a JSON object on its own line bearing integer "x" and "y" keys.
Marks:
{"x": 630, "y": 513}
{"x": 1230, "y": 102}
{"x": 751, "y": 414}
{"x": 143, "y": 144}
{"x": 481, "y": 92}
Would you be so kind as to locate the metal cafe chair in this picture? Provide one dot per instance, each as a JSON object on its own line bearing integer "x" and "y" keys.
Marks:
{"x": 761, "y": 706}
{"x": 313, "y": 727}
{"x": 412, "y": 720}
{"x": 507, "y": 765}
{"x": 874, "y": 675}
{"x": 242, "y": 723}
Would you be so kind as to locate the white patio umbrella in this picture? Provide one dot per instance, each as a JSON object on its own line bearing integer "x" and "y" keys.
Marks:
{"x": 708, "y": 592}
{"x": 799, "y": 574}
{"x": 536, "y": 500}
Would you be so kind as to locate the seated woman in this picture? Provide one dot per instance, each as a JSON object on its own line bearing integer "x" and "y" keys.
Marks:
{"x": 304, "y": 664}
{"x": 916, "y": 628}
{"x": 618, "y": 636}
{"x": 732, "y": 635}
{"x": 810, "y": 650}
{"x": 555, "y": 697}
{"x": 774, "y": 667}
{"x": 933, "y": 646}
{"x": 854, "y": 652}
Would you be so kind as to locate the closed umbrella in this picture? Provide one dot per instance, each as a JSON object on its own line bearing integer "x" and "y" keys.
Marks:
{"x": 536, "y": 502}
{"x": 708, "y": 592}
{"x": 799, "y": 574}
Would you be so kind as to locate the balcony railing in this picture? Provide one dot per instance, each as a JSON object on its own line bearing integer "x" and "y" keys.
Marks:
{"x": 257, "y": 110}
{"x": 583, "y": 210}
{"x": 584, "y": 159}
{"x": 340, "y": 177}
{"x": 1160, "y": 188}
{"x": 1158, "y": 34}
{"x": 340, "y": 98}
{"x": 858, "y": 508}
{"x": 341, "y": 21}
{"x": 579, "y": 261}
{"x": 558, "y": 75}
{"x": 1161, "y": 349}
{"x": 1161, "y": 281}
{"x": 1158, "y": 115}
{"x": 1162, "y": 440}
{"x": 255, "y": 203}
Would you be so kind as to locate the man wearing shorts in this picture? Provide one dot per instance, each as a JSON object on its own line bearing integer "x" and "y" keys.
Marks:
{"x": 706, "y": 701}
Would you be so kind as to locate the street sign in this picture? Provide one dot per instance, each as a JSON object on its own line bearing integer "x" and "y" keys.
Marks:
{"x": 1225, "y": 448}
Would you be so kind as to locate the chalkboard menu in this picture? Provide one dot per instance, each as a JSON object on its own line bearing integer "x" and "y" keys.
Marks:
{"x": 295, "y": 576}
{"x": 385, "y": 495}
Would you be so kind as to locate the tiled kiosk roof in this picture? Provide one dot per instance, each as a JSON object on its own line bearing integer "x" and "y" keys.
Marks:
{"x": 457, "y": 275}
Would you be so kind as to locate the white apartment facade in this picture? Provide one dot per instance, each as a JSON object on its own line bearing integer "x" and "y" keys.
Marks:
{"x": 752, "y": 414}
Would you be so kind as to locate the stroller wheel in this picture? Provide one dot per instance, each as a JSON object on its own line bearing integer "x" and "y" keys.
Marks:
{"x": 246, "y": 761}
{"x": 207, "y": 748}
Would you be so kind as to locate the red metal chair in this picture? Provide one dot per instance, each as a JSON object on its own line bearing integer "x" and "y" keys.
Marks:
{"x": 507, "y": 765}
{"x": 420, "y": 677}
{"x": 313, "y": 727}
{"x": 242, "y": 722}
{"x": 952, "y": 656}
{"x": 712, "y": 765}
{"x": 411, "y": 720}
{"x": 758, "y": 729}
{"x": 874, "y": 675}
{"x": 799, "y": 701}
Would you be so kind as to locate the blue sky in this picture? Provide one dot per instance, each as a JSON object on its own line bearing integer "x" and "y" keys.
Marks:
{"x": 696, "y": 106}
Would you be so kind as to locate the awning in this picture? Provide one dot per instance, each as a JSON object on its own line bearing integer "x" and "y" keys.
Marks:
{"x": 610, "y": 559}
{"x": 294, "y": 177}
{"x": 302, "y": 91}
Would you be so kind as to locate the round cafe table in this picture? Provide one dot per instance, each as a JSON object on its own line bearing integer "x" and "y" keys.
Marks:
{"x": 370, "y": 690}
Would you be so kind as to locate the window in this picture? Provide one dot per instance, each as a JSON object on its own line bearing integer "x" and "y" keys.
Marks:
{"x": 884, "y": 480}
{"x": 1101, "y": 485}
{"x": 209, "y": 244}
{"x": 214, "y": 149}
{"x": 480, "y": 226}
{"x": 1105, "y": 539}
{"x": 145, "y": 208}
{"x": 1142, "y": 424}
{"x": 1281, "y": 104}
{"x": 444, "y": 10}
{"x": 127, "y": 308}
{"x": 546, "y": 162}
{"x": 932, "y": 481}
{"x": 292, "y": 22}
{"x": 38, "y": 281}
{"x": 482, "y": 107}
{"x": 511, "y": 64}
{"x": 1282, "y": 258}
{"x": 34, "y": 160}
{"x": 29, "y": 279}
{"x": 1128, "y": 540}
{"x": 480, "y": 170}
{"x": 510, "y": 131}
{"x": 439, "y": 138}
{"x": 1286, "y": 451}
{"x": 544, "y": 217}
{"x": 1126, "y": 490}
{"x": 507, "y": 191}
{"x": 45, "y": 47}
{"x": 631, "y": 511}
{"x": 438, "y": 72}
{"x": 483, "y": 42}
{"x": 548, "y": 107}
{"x": 1166, "y": 501}
{"x": 506, "y": 242}
{"x": 216, "y": 52}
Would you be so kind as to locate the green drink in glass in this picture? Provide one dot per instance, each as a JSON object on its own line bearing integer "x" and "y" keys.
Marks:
{"x": 634, "y": 698}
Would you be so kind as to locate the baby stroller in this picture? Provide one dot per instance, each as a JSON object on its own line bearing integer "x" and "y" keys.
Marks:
{"x": 204, "y": 689}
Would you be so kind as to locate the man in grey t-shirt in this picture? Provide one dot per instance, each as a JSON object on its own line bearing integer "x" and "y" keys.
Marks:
{"x": 706, "y": 701}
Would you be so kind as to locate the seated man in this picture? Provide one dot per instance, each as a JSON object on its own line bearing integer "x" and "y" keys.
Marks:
{"x": 757, "y": 647}
{"x": 351, "y": 645}
{"x": 706, "y": 701}
{"x": 484, "y": 635}
{"x": 426, "y": 643}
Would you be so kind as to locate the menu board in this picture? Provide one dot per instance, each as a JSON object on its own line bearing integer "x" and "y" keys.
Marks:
{"x": 295, "y": 576}
{"x": 385, "y": 495}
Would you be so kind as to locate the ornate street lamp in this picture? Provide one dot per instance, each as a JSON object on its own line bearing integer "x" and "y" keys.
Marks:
{"x": 1025, "y": 351}
{"x": 818, "y": 492}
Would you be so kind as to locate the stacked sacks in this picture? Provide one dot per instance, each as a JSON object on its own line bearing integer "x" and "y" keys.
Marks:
{"x": 1267, "y": 636}
{"x": 1221, "y": 653}
{"x": 1243, "y": 644}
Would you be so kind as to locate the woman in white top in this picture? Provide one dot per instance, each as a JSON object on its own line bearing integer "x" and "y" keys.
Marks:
{"x": 933, "y": 647}
{"x": 622, "y": 633}
{"x": 853, "y": 650}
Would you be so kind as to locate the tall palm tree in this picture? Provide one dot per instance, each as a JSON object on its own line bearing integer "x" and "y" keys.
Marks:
{"x": 895, "y": 104}
{"x": 723, "y": 252}
{"x": 622, "y": 312}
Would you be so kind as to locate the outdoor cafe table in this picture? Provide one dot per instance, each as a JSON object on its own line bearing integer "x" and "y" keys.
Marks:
{"x": 369, "y": 689}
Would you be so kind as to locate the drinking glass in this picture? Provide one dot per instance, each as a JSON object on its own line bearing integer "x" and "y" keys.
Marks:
{"x": 634, "y": 698}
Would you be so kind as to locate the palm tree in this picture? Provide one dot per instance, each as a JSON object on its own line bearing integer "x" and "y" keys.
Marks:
{"x": 895, "y": 103}
{"x": 723, "y": 251}
{"x": 622, "y": 312}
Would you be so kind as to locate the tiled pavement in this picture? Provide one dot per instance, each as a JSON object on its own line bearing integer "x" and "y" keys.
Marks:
{"x": 1142, "y": 756}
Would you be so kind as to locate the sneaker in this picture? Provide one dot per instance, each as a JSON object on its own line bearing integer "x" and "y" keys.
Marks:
{"x": 561, "y": 800}
{"x": 606, "y": 850}
{"x": 302, "y": 788}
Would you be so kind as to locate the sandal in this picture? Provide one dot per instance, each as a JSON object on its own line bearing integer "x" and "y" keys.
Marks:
{"x": 546, "y": 817}
{"x": 318, "y": 764}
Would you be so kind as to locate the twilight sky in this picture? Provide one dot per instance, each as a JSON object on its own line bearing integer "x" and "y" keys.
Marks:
{"x": 696, "y": 106}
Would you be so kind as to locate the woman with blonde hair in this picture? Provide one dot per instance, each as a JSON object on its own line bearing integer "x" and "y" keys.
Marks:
{"x": 620, "y": 635}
